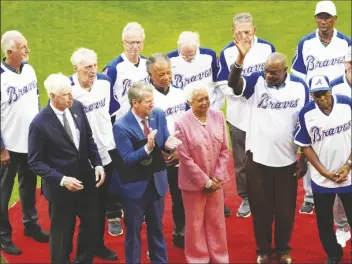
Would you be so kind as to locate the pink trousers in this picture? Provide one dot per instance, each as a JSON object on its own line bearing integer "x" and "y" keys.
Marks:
{"x": 205, "y": 231}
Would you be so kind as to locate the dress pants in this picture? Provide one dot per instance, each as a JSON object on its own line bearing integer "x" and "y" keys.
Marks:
{"x": 272, "y": 193}
{"x": 324, "y": 203}
{"x": 205, "y": 240}
{"x": 238, "y": 140}
{"x": 63, "y": 218}
{"x": 178, "y": 212}
{"x": 150, "y": 205}
{"x": 27, "y": 184}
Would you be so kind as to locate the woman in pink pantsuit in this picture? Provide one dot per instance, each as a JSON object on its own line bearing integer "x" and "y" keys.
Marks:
{"x": 203, "y": 170}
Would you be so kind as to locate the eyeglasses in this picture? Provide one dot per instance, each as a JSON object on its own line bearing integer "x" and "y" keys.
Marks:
{"x": 132, "y": 43}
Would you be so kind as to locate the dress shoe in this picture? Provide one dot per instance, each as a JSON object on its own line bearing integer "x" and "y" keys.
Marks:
{"x": 285, "y": 259}
{"x": 263, "y": 259}
{"x": 10, "y": 248}
{"x": 36, "y": 232}
{"x": 227, "y": 211}
{"x": 106, "y": 254}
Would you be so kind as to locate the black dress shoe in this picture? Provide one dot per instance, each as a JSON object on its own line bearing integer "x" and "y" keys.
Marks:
{"x": 10, "y": 248}
{"x": 36, "y": 232}
{"x": 178, "y": 241}
{"x": 106, "y": 254}
{"x": 227, "y": 211}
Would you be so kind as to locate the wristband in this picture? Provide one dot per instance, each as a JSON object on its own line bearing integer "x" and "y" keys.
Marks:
{"x": 238, "y": 66}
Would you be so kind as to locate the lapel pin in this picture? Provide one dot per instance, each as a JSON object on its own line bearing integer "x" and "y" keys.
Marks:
{"x": 75, "y": 115}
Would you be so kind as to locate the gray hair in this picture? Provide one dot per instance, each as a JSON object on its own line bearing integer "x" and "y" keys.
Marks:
{"x": 242, "y": 18}
{"x": 192, "y": 87}
{"x": 154, "y": 59}
{"x": 55, "y": 83}
{"x": 188, "y": 39}
{"x": 133, "y": 29}
{"x": 276, "y": 56}
{"x": 83, "y": 57}
{"x": 9, "y": 40}
{"x": 138, "y": 91}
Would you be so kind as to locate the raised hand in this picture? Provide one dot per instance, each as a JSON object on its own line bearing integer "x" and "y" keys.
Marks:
{"x": 173, "y": 142}
{"x": 151, "y": 139}
{"x": 242, "y": 44}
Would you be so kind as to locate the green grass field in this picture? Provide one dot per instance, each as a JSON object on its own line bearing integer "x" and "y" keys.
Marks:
{"x": 54, "y": 29}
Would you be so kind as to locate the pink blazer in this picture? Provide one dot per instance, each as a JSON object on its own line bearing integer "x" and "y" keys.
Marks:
{"x": 204, "y": 151}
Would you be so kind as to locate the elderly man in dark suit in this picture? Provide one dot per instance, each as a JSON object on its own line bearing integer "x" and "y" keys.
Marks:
{"x": 62, "y": 151}
{"x": 140, "y": 136}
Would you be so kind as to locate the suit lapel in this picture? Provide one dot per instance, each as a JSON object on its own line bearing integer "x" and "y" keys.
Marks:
{"x": 152, "y": 121}
{"x": 136, "y": 129}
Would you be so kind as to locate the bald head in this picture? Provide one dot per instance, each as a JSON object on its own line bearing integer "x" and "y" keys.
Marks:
{"x": 277, "y": 58}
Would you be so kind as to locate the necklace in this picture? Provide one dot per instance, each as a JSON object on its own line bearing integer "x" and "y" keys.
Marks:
{"x": 200, "y": 122}
{"x": 324, "y": 42}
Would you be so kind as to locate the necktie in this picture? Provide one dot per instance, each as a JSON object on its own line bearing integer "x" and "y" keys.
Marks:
{"x": 67, "y": 127}
{"x": 146, "y": 129}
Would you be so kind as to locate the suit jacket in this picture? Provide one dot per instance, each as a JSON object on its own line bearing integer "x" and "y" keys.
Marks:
{"x": 127, "y": 133}
{"x": 204, "y": 151}
{"x": 52, "y": 154}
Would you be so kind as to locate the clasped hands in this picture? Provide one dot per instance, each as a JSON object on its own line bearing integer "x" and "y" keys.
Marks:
{"x": 340, "y": 175}
{"x": 74, "y": 185}
{"x": 215, "y": 186}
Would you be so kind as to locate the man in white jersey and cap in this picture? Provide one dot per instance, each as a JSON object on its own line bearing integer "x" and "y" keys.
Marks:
{"x": 320, "y": 53}
{"x": 19, "y": 105}
{"x": 324, "y": 133}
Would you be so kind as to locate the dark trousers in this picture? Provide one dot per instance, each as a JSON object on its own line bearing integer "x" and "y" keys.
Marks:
{"x": 63, "y": 218}
{"x": 324, "y": 203}
{"x": 150, "y": 206}
{"x": 178, "y": 212}
{"x": 272, "y": 193}
{"x": 238, "y": 139}
{"x": 27, "y": 184}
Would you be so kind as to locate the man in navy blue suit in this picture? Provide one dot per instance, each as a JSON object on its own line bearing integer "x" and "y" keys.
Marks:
{"x": 62, "y": 151}
{"x": 143, "y": 189}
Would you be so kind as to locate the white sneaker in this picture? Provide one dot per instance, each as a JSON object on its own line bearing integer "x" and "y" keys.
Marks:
{"x": 342, "y": 237}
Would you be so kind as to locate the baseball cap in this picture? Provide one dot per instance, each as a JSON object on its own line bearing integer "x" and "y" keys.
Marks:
{"x": 319, "y": 83}
{"x": 325, "y": 7}
{"x": 348, "y": 54}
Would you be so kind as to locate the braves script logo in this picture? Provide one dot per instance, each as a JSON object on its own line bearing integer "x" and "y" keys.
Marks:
{"x": 127, "y": 83}
{"x": 313, "y": 63}
{"x": 181, "y": 81}
{"x": 16, "y": 94}
{"x": 95, "y": 105}
{"x": 267, "y": 103}
{"x": 319, "y": 134}
{"x": 175, "y": 109}
{"x": 252, "y": 68}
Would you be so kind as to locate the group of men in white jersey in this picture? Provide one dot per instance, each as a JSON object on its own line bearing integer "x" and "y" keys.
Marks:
{"x": 265, "y": 87}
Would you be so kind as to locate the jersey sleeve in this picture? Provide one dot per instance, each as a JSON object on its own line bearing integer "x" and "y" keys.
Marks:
{"x": 249, "y": 84}
{"x": 114, "y": 105}
{"x": 214, "y": 65}
{"x": 302, "y": 137}
{"x": 298, "y": 65}
{"x": 223, "y": 72}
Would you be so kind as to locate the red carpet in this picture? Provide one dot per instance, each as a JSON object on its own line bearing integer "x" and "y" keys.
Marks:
{"x": 305, "y": 243}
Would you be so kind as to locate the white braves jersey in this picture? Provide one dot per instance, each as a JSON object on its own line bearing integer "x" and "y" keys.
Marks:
{"x": 313, "y": 58}
{"x": 273, "y": 116}
{"x": 330, "y": 138}
{"x": 203, "y": 68}
{"x": 341, "y": 86}
{"x": 237, "y": 109}
{"x": 19, "y": 105}
{"x": 173, "y": 104}
{"x": 96, "y": 105}
{"x": 123, "y": 74}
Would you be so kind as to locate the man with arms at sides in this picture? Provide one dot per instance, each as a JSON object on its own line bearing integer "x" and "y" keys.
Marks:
{"x": 324, "y": 133}
{"x": 144, "y": 195}
{"x": 92, "y": 89}
{"x": 62, "y": 151}
{"x": 342, "y": 85}
{"x": 275, "y": 98}
{"x": 191, "y": 63}
{"x": 19, "y": 105}
{"x": 237, "y": 106}
{"x": 124, "y": 70}
{"x": 171, "y": 100}
{"x": 320, "y": 53}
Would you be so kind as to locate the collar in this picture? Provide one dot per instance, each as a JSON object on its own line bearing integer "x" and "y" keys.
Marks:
{"x": 138, "y": 118}
{"x": 161, "y": 90}
{"x": 57, "y": 111}
{"x": 283, "y": 85}
{"x": 332, "y": 37}
{"x": 8, "y": 66}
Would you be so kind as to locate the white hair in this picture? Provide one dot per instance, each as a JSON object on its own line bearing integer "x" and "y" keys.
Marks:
{"x": 242, "y": 18}
{"x": 55, "y": 83}
{"x": 9, "y": 40}
{"x": 192, "y": 87}
{"x": 188, "y": 39}
{"x": 133, "y": 29}
{"x": 83, "y": 57}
